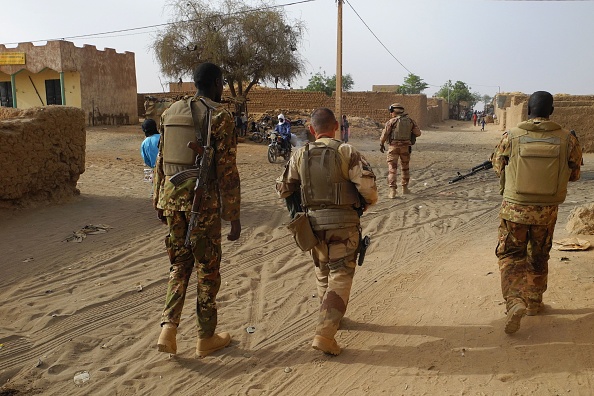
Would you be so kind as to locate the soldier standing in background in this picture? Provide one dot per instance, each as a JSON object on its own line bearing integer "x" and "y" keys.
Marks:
{"x": 221, "y": 199}
{"x": 333, "y": 180}
{"x": 534, "y": 162}
{"x": 400, "y": 132}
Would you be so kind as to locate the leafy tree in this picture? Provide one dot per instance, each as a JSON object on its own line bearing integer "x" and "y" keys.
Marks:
{"x": 486, "y": 99}
{"x": 319, "y": 82}
{"x": 251, "y": 44}
{"x": 456, "y": 93}
{"x": 413, "y": 84}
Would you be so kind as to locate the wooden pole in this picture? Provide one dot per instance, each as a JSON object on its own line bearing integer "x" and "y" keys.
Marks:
{"x": 338, "y": 104}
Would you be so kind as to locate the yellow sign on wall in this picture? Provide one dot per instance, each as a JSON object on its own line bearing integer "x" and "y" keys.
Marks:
{"x": 12, "y": 58}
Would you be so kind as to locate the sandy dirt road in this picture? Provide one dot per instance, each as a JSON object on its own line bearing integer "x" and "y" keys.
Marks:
{"x": 425, "y": 317}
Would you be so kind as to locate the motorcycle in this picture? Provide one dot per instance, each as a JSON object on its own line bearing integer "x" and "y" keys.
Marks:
{"x": 275, "y": 148}
{"x": 259, "y": 132}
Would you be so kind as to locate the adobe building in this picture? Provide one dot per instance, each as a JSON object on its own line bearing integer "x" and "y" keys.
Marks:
{"x": 101, "y": 83}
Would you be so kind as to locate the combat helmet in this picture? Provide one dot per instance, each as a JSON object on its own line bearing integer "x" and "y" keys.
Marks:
{"x": 396, "y": 108}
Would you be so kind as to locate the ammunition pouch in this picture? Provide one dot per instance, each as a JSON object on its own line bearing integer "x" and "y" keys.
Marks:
{"x": 302, "y": 231}
{"x": 330, "y": 219}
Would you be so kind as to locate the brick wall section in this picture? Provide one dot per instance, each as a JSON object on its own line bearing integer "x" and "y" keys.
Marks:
{"x": 359, "y": 104}
{"x": 42, "y": 153}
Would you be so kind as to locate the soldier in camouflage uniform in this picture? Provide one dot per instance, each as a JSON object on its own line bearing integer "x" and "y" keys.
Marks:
{"x": 333, "y": 179}
{"x": 221, "y": 199}
{"x": 534, "y": 161}
{"x": 400, "y": 132}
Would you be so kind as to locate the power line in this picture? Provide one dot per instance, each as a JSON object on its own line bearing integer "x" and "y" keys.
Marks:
{"x": 166, "y": 24}
{"x": 377, "y": 38}
{"x": 393, "y": 56}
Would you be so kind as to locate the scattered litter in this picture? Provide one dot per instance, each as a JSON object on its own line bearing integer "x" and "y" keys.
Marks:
{"x": 54, "y": 315}
{"x": 104, "y": 346}
{"x": 90, "y": 229}
{"x": 39, "y": 363}
{"x": 463, "y": 352}
{"x": 81, "y": 377}
{"x": 490, "y": 273}
{"x": 49, "y": 291}
{"x": 28, "y": 259}
{"x": 571, "y": 244}
{"x": 288, "y": 370}
{"x": 148, "y": 175}
{"x": 251, "y": 330}
{"x": 139, "y": 287}
{"x": 564, "y": 259}
{"x": 1, "y": 346}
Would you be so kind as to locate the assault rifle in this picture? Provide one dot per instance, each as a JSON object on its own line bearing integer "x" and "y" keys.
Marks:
{"x": 484, "y": 166}
{"x": 204, "y": 159}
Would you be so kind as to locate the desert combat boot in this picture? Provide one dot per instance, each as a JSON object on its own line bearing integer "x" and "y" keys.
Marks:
{"x": 514, "y": 317}
{"x": 405, "y": 190}
{"x": 393, "y": 192}
{"x": 206, "y": 346}
{"x": 167, "y": 342}
{"x": 326, "y": 345}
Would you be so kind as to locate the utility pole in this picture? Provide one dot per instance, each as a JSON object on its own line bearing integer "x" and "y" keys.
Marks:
{"x": 338, "y": 104}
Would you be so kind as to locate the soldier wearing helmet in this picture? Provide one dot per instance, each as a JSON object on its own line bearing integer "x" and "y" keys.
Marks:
{"x": 400, "y": 133}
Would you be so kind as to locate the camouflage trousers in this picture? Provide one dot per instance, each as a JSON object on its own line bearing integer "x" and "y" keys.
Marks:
{"x": 206, "y": 255}
{"x": 396, "y": 152}
{"x": 523, "y": 253}
{"x": 334, "y": 259}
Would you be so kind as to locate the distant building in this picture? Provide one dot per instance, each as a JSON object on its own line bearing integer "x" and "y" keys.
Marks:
{"x": 101, "y": 83}
{"x": 385, "y": 88}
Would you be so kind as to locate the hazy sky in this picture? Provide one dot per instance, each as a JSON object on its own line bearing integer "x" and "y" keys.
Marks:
{"x": 490, "y": 45}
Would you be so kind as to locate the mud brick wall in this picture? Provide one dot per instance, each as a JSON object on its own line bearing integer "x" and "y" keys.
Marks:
{"x": 354, "y": 104}
{"x": 42, "y": 154}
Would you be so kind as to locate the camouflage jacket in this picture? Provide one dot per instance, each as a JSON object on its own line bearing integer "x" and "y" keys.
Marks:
{"x": 387, "y": 132}
{"x": 359, "y": 172}
{"x": 223, "y": 192}
{"x": 532, "y": 214}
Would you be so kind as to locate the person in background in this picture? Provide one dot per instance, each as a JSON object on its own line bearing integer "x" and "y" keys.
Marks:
{"x": 344, "y": 129}
{"x": 150, "y": 145}
{"x": 283, "y": 128}
{"x": 400, "y": 132}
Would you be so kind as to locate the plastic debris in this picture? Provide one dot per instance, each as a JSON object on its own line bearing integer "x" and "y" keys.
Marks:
{"x": 288, "y": 370}
{"x": 251, "y": 329}
{"x": 571, "y": 244}
{"x": 81, "y": 377}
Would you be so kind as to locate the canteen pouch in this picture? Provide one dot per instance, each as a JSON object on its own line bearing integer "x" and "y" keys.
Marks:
{"x": 302, "y": 232}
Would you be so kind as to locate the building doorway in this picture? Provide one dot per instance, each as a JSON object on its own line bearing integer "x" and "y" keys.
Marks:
{"x": 5, "y": 94}
{"x": 53, "y": 92}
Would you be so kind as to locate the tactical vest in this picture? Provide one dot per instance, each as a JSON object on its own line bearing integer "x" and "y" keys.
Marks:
{"x": 402, "y": 128}
{"x": 327, "y": 194}
{"x": 184, "y": 121}
{"x": 538, "y": 171}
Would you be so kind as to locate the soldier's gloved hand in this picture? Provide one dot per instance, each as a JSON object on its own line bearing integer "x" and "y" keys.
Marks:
{"x": 382, "y": 148}
{"x": 161, "y": 216}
